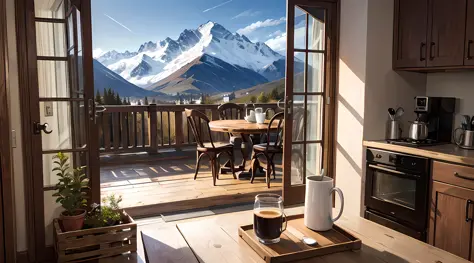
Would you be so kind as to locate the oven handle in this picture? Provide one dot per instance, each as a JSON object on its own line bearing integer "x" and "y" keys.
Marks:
{"x": 391, "y": 171}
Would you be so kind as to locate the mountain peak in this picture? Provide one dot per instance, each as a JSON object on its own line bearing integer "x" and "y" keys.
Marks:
{"x": 147, "y": 46}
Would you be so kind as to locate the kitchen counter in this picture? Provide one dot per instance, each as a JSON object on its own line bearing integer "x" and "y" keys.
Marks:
{"x": 216, "y": 239}
{"x": 444, "y": 152}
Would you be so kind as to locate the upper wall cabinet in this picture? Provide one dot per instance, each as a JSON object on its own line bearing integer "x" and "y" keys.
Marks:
{"x": 430, "y": 35}
{"x": 469, "y": 45}
{"x": 410, "y": 31}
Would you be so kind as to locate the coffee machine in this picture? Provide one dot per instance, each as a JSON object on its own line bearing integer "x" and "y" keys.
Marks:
{"x": 438, "y": 114}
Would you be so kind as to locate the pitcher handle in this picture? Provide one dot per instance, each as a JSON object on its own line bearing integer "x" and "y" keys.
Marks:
{"x": 341, "y": 196}
{"x": 458, "y": 142}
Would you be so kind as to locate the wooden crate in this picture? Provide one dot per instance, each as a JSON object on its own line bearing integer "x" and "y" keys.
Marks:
{"x": 87, "y": 244}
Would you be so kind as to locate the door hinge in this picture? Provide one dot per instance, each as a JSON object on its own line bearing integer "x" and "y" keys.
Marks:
{"x": 328, "y": 100}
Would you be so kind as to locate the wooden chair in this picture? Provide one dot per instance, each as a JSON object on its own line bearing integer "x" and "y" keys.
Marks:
{"x": 212, "y": 149}
{"x": 269, "y": 149}
{"x": 232, "y": 111}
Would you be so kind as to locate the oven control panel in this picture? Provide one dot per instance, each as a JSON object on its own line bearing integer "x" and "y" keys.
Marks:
{"x": 398, "y": 160}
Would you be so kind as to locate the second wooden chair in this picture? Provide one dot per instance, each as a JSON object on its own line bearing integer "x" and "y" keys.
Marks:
{"x": 199, "y": 124}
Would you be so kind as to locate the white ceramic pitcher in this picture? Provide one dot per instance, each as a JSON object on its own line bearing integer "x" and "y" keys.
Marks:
{"x": 318, "y": 203}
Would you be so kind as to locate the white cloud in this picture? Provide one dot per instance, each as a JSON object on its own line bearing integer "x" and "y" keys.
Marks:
{"x": 259, "y": 24}
{"x": 97, "y": 52}
{"x": 278, "y": 42}
{"x": 219, "y": 5}
{"x": 247, "y": 13}
{"x": 276, "y": 33}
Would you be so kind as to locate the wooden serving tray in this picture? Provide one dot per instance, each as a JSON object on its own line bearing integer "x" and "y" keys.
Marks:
{"x": 291, "y": 246}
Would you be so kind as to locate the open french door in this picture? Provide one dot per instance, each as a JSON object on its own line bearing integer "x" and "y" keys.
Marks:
{"x": 61, "y": 109}
{"x": 309, "y": 111}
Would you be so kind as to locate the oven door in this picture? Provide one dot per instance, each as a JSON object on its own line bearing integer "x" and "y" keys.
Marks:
{"x": 401, "y": 195}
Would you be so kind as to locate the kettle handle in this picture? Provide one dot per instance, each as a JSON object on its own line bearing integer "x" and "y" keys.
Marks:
{"x": 458, "y": 142}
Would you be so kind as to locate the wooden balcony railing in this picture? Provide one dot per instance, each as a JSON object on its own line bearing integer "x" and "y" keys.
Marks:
{"x": 127, "y": 129}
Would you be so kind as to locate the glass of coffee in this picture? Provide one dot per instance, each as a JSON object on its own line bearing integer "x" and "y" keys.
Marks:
{"x": 269, "y": 221}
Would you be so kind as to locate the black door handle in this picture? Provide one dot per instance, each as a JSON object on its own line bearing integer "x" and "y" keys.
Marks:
{"x": 431, "y": 50}
{"x": 469, "y": 201}
{"x": 38, "y": 127}
{"x": 421, "y": 51}
{"x": 469, "y": 44}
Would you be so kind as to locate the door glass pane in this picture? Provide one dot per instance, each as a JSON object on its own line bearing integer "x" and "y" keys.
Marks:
{"x": 70, "y": 32}
{"x": 298, "y": 72}
{"x": 298, "y": 118}
{"x": 49, "y": 9}
{"x": 79, "y": 31}
{"x": 66, "y": 120}
{"x": 300, "y": 28}
{"x": 316, "y": 28}
{"x": 314, "y": 121}
{"x": 314, "y": 159}
{"x": 315, "y": 72}
{"x": 77, "y": 159}
{"x": 53, "y": 79}
{"x": 394, "y": 189}
{"x": 297, "y": 164}
{"x": 50, "y": 39}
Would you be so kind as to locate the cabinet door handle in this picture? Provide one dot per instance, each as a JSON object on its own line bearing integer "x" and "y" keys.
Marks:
{"x": 463, "y": 176}
{"x": 421, "y": 51}
{"x": 469, "y": 201}
{"x": 469, "y": 44}
{"x": 431, "y": 50}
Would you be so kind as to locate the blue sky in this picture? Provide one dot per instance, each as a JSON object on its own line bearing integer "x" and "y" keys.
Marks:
{"x": 126, "y": 24}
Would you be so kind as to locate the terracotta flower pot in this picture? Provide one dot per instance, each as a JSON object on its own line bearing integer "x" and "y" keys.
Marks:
{"x": 73, "y": 223}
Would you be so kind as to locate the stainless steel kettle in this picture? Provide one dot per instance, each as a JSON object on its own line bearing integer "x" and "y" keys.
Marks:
{"x": 465, "y": 139}
{"x": 418, "y": 131}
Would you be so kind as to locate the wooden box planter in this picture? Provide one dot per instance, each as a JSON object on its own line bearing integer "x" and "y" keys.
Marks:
{"x": 87, "y": 244}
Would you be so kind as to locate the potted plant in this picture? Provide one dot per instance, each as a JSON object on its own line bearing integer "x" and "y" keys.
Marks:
{"x": 70, "y": 193}
{"x": 106, "y": 214}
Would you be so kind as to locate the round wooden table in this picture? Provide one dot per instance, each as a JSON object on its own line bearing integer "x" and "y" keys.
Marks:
{"x": 244, "y": 129}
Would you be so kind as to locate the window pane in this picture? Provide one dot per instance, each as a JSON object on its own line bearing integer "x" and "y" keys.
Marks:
{"x": 70, "y": 32}
{"x": 49, "y": 9}
{"x": 298, "y": 118}
{"x": 315, "y": 72}
{"x": 297, "y": 164}
{"x": 79, "y": 31}
{"x": 50, "y": 39}
{"x": 49, "y": 177}
{"x": 314, "y": 121}
{"x": 314, "y": 159}
{"x": 300, "y": 28}
{"x": 316, "y": 29}
{"x": 66, "y": 120}
{"x": 53, "y": 79}
{"x": 298, "y": 72}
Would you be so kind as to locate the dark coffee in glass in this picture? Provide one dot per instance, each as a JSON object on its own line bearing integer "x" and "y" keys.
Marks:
{"x": 268, "y": 218}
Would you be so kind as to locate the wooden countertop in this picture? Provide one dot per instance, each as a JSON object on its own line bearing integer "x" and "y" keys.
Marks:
{"x": 444, "y": 152}
{"x": 216, "y": 239}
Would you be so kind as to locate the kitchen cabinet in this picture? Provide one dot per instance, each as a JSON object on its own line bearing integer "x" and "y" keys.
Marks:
{"x": 433, "y": 35}
{"x": 410, "y": 32}
{"x": 451, "y": 219}
{"x": 469, "y": 45}
{"x": 452, "y": 209}
{"x": 446, "y": 31}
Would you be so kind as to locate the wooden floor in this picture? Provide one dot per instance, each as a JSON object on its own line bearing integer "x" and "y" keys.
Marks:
{"x": 162, "y": 181}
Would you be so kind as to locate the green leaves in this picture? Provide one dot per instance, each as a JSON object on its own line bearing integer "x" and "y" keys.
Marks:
{"x": 71, "y": 185}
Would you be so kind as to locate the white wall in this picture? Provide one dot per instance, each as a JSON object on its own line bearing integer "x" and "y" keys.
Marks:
{"x": 454, "y": 84}
{"x": 367, "y": 88}
{"x": 15, "y": 119}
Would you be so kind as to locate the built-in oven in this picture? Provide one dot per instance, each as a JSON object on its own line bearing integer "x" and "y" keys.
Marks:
{"x": 396, "y": 191}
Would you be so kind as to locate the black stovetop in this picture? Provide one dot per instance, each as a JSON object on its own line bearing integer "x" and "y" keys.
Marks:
{"x": 415, "y": 143}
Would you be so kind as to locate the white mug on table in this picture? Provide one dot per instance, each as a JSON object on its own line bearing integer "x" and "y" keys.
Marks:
{"x": 318, "y": 203}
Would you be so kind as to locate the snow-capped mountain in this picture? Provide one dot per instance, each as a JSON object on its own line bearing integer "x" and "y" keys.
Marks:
{"x": 210, "y": 46}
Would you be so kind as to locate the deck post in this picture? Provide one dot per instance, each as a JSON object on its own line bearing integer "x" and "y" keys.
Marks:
{"x": 152, "y": 129}
{"x": 178, "y": 128}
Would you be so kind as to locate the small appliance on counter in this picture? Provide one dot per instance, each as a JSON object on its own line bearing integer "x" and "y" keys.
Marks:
{"x": 465, "y": 139}
{"x": 433, "y": 124}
